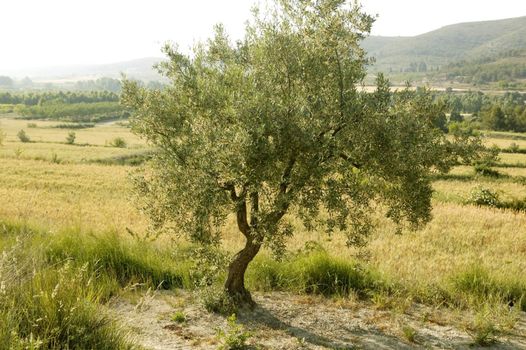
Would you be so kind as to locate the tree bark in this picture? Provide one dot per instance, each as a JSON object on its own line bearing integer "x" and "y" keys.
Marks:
{"x": 235, "y": 283}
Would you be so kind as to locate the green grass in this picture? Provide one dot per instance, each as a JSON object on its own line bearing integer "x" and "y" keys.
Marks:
{"x": 52, "y": 306}
{"x": 315, "y": 273}
{"x": 125, "y": 260}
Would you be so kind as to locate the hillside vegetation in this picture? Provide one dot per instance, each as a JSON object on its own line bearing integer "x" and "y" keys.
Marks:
{"x": 482, "y": 44}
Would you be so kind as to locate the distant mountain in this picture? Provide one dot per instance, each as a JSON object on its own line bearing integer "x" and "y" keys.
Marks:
{"x": 138, "y": 69}
{"x": 453, "y": 43}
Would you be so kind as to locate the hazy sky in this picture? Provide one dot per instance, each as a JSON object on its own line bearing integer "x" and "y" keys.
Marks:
{"x": 37, "y": 33}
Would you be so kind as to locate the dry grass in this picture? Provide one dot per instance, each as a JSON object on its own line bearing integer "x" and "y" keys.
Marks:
{"x": 80, "y": 196}
{"x": 459, "y": 191}
{"x": 96, "y": 198}
{"x": 504, "y": 143}
{"x": 512, "y": 158}
{"x": 101, "y": 134}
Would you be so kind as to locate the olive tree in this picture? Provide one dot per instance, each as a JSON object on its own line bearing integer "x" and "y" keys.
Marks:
{"x": 276, "y": 124}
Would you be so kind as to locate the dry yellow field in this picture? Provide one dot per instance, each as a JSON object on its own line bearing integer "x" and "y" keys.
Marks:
{"x": 93, "y": 197}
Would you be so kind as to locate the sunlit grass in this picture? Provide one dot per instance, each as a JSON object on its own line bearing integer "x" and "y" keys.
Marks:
{"x": 459, "y": 190}
{"x": 512, "y": 158}
{"x": 102, "y": 134}
{"x": 85, "y": 196}
{"x": 81, "y": 198}
{"x": 63, "y": 153}
{"x": 503, "y": 143}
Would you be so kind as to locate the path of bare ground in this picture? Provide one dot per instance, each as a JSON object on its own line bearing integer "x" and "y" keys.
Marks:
{"x": 283, "y": 321}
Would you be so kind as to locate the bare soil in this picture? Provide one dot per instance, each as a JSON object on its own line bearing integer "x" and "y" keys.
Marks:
{"x": 284, "y": 321}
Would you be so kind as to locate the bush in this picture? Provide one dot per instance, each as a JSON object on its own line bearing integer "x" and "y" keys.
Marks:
{"x": 235, "y": 337}
{"x": 482, "y": 196}
{"x": 22, "y": 136}
{"x": 118, "y": 142}
{"x": 513, "y": 148}
{"x": 215, "y": 300}
{"x": 486, "y": 170}
{"x": 70, "y": 139}
{"x": 74, "y": 126}
{"x": 32, "y": 125}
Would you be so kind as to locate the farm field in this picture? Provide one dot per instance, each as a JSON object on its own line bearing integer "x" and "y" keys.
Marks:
{"x": 50, "y": 186}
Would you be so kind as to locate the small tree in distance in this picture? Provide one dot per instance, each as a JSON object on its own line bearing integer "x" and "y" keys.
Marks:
{"x": 23, "y": 136}
{"x": 70, "y": 139}
{"x": 275, "y": 124}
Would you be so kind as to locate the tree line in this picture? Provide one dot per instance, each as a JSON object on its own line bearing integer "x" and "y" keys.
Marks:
{"x": 65, "y": 97}
{"x": 500, "y": 113}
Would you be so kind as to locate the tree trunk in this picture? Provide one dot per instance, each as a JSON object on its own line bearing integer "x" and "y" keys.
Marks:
{"x": 235, "y": 283}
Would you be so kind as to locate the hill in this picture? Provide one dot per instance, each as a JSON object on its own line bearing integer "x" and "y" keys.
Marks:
{"x": 459, "y": 42}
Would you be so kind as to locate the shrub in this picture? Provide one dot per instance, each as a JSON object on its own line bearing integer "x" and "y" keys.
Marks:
{"x": 74, "y": 126}
{"x": 235, "y": 337}
{"x": 22, "y": 136}
{"x": 486, "y": 170}
{"x": 55, "y": 158}
{"x": 513, "y": 148}
{"x": 31, "y": 125}
{"x": 482, "y": 196}
{"x": 118, "y": 142}
{"x": 215, "y": 300}
{"x": 70, "y": 139}
{"x": 179, "y": 317}
{"x": 409, "y": 333}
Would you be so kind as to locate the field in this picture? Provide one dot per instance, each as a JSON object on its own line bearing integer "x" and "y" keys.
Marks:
{"x": 469, "y": 261}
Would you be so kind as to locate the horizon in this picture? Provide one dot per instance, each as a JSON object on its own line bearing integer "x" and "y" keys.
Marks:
{"x": 128, "y": 31}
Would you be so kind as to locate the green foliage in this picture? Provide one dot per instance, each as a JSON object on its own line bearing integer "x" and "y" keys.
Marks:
{"x": 276, "y": 122}
{"x": 52, "y": 307}
{"x": 455, "y": 116}
{"x": 179, "y": 317}
{"x": 484, "y": 197}
{"x": 31, "y": 125}
{"x": 475, "y": 53}
{"x": 74, "y": 126}
{"x": 495, "y": 119}
{"x": 65, "y": 97}
{"x": 118, "y": 142}
{"x": 22, "y": 136}
{"x": 235, "y": 337}
{"x": 513, "y": 148}
{"x": 70, "y": 139}
{"x": 216, "y": 300}
{"x": 409, "y": 333}
{"x": 486, "y": 170}
{"x": 75, "y": 112}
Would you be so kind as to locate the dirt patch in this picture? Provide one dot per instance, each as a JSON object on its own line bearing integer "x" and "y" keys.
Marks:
{"x": 284, "y": 321}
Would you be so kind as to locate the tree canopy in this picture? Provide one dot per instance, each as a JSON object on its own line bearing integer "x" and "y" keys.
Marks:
{"x": 276, "y": 124}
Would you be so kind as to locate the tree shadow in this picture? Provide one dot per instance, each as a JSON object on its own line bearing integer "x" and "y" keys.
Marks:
{"x": 355, "y": 336}
{"x": 260, "y": 316}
